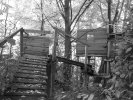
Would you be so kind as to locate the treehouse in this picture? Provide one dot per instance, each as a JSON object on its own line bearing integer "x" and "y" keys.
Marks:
{"x": 96, "y": 40}
{"x": 97, "y": 46}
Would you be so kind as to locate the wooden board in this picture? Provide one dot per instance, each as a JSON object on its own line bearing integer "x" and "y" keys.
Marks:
{"x": 96, "y": 39}
{"x": 94, "y": 52}
{"x": 36, "y": 45}
{"x": 37, "y": 31}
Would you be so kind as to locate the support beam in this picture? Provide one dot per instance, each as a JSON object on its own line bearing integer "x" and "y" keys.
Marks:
{"x": 109, "y": 32}
{"x": 65, "y": 60}
{"x": 21, "y": 43}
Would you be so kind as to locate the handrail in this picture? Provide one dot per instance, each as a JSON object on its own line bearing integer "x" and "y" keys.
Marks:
{"x": 10, "y": 36}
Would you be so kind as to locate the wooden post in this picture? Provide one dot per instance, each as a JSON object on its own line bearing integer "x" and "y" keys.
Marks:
{"x": 109, "y": 32}
{"x": 53, "y": 67}
{"x": 85, "y": 69}
{"x": 21, "y": 42}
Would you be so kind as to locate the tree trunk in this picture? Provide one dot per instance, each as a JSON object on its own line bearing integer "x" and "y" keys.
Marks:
{"x": 67, "y": 68}
{"x": 42, "y": 16}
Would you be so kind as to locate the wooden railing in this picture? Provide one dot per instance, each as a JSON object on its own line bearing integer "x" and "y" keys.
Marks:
{"x": 8, "y": 66}
{"x": 21, "y": 30}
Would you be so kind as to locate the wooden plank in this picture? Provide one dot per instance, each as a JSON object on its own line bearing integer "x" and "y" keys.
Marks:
{"x": 37, "y": 48}
{"x": 32, "y": 66}
{"x": 36, "y": 53}
{"x": 26, "y": 93}
{"x": 30, "y": 76}
{"x": 93, "y": 31}
{"x": 93, "y": 48}
{"x": 37, "y": 37}
{"x": 33, "y": 63}
{"x": 36, "y": 57}
{"x": 34, "y": 60}
{"x": 37, "y": 31}
{"x": 31, "y": 69}
{"x": 36, "y": 41}
{"x": 28, "y": 86}
{"x": 36, "y": 44}
{"x": 82, "y": 65}
{"x": 93, "y": 52}
{"x": 33, "y": 81}
{"x": 92, "y": 44}
{"x": 31, "y": 72}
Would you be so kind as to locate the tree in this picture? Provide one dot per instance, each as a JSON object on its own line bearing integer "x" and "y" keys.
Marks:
{"x": 70, "y": 20}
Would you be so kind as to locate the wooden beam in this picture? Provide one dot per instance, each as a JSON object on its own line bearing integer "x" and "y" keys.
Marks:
{"x": 21, "y": 43}
{"x": 65, "y": 60}
{"x": 10, "y": 36}
{"x": 60, "y": 31}
{"x": 37, "y": 31}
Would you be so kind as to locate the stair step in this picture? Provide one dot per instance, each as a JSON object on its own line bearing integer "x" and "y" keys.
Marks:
{"x": 26, "y": 93}
{"x": 31, "y": 72}
{"x": 35, "y": 57}
{"x": 32, "y": 69}
{"x": 30, "y": 76}
{"x": 33, "y": 63}
{"x": 22, "y": 97}
{"x": 32, "y": 66}
{"x": 33, "y": 60}
{"x": 30, "y": 81}
{"x": 28, "y": 86}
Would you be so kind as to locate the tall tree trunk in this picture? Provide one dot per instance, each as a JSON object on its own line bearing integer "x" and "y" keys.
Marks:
{"x": 42, "y": 16}
{"x": 67, "y": 68}
{"x": 5, "y": 32}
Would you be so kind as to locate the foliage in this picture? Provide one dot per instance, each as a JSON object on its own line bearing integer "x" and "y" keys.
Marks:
{"x": 8, "y": 69}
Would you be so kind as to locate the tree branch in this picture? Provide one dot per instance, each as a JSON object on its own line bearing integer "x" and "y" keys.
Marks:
{"x": 71, "y": 10}
{"x": 116, "y": 12}
{"x": 60, "y": 7}
{"x": 78, "y": 12}
{"x": 120, "y": 10}
{"x": 101, "y": 11}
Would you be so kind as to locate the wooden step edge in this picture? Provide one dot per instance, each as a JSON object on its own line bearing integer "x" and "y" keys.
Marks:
{"x": 26, "y": 82}
{"x": 31, "y": 66}
{"x": 32, "y": 69}
{"x": 32, "y": 63}
{"x": 30, "y": 77}
{"x": 33, "y": 73}
{"x": 28, "y": 88}
{"x": 24, "y": 94}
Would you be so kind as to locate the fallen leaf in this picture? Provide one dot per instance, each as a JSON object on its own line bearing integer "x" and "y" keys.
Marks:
{"x": 91, "y": 97}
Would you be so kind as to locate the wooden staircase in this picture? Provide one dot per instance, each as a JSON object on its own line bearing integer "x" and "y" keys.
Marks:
{"x": 30, "y": 78}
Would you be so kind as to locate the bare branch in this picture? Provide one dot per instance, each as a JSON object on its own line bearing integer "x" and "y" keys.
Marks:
{"x": 101, "y": 11}
{"x": 61, "y": 3}
{"x": 71, "y": 10}
{"x": 60, "y": 7}
{"x": 121, "y": 10}
{"x": 78, "y": 12}
{"x": 116, "y": 12}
